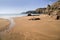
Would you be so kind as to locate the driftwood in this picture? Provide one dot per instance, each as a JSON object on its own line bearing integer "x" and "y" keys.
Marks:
{"x": 35, "y": 19}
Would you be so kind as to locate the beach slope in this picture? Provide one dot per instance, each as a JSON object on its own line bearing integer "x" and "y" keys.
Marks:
{"x": 25, "y": 29}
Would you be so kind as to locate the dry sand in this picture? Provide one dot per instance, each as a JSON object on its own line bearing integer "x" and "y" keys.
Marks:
{"x": 4, "y": 23}
{"x": 24, "y": 29}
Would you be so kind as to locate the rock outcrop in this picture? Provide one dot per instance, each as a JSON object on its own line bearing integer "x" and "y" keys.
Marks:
{"x": 40, "y": 10}
{"x": 55, "y": 9}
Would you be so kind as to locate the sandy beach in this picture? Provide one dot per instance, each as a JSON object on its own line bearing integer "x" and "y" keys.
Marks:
{"x": 29, "y": 19}
{"x": 4, "y": 23}
{"x": 46, "y": 28}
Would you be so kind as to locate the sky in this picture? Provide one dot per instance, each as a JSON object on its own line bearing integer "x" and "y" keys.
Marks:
{"x": 18, "y": 6}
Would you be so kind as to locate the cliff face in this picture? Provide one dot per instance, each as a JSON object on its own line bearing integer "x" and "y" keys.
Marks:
{"x": 56, "y": 7}
{"x": 50, "y": 9}
{"x": 54, "y": 10}
{"x": 56, "y": 4}
{"x": 40, "y": 10}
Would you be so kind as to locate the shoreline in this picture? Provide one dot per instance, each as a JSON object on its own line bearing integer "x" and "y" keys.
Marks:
{"x": 10, "y": 25}
{"x": 47, "y": 28}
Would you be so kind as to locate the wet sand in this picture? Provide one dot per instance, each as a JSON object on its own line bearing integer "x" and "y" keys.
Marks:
{"x": 24, "y": 29}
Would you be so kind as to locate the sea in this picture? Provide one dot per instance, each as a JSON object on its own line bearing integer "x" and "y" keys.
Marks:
{"x": 7, "y": 16}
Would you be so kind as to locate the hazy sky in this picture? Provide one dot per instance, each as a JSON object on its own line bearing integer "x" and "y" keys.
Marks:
{"x": 18, "y": 6}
